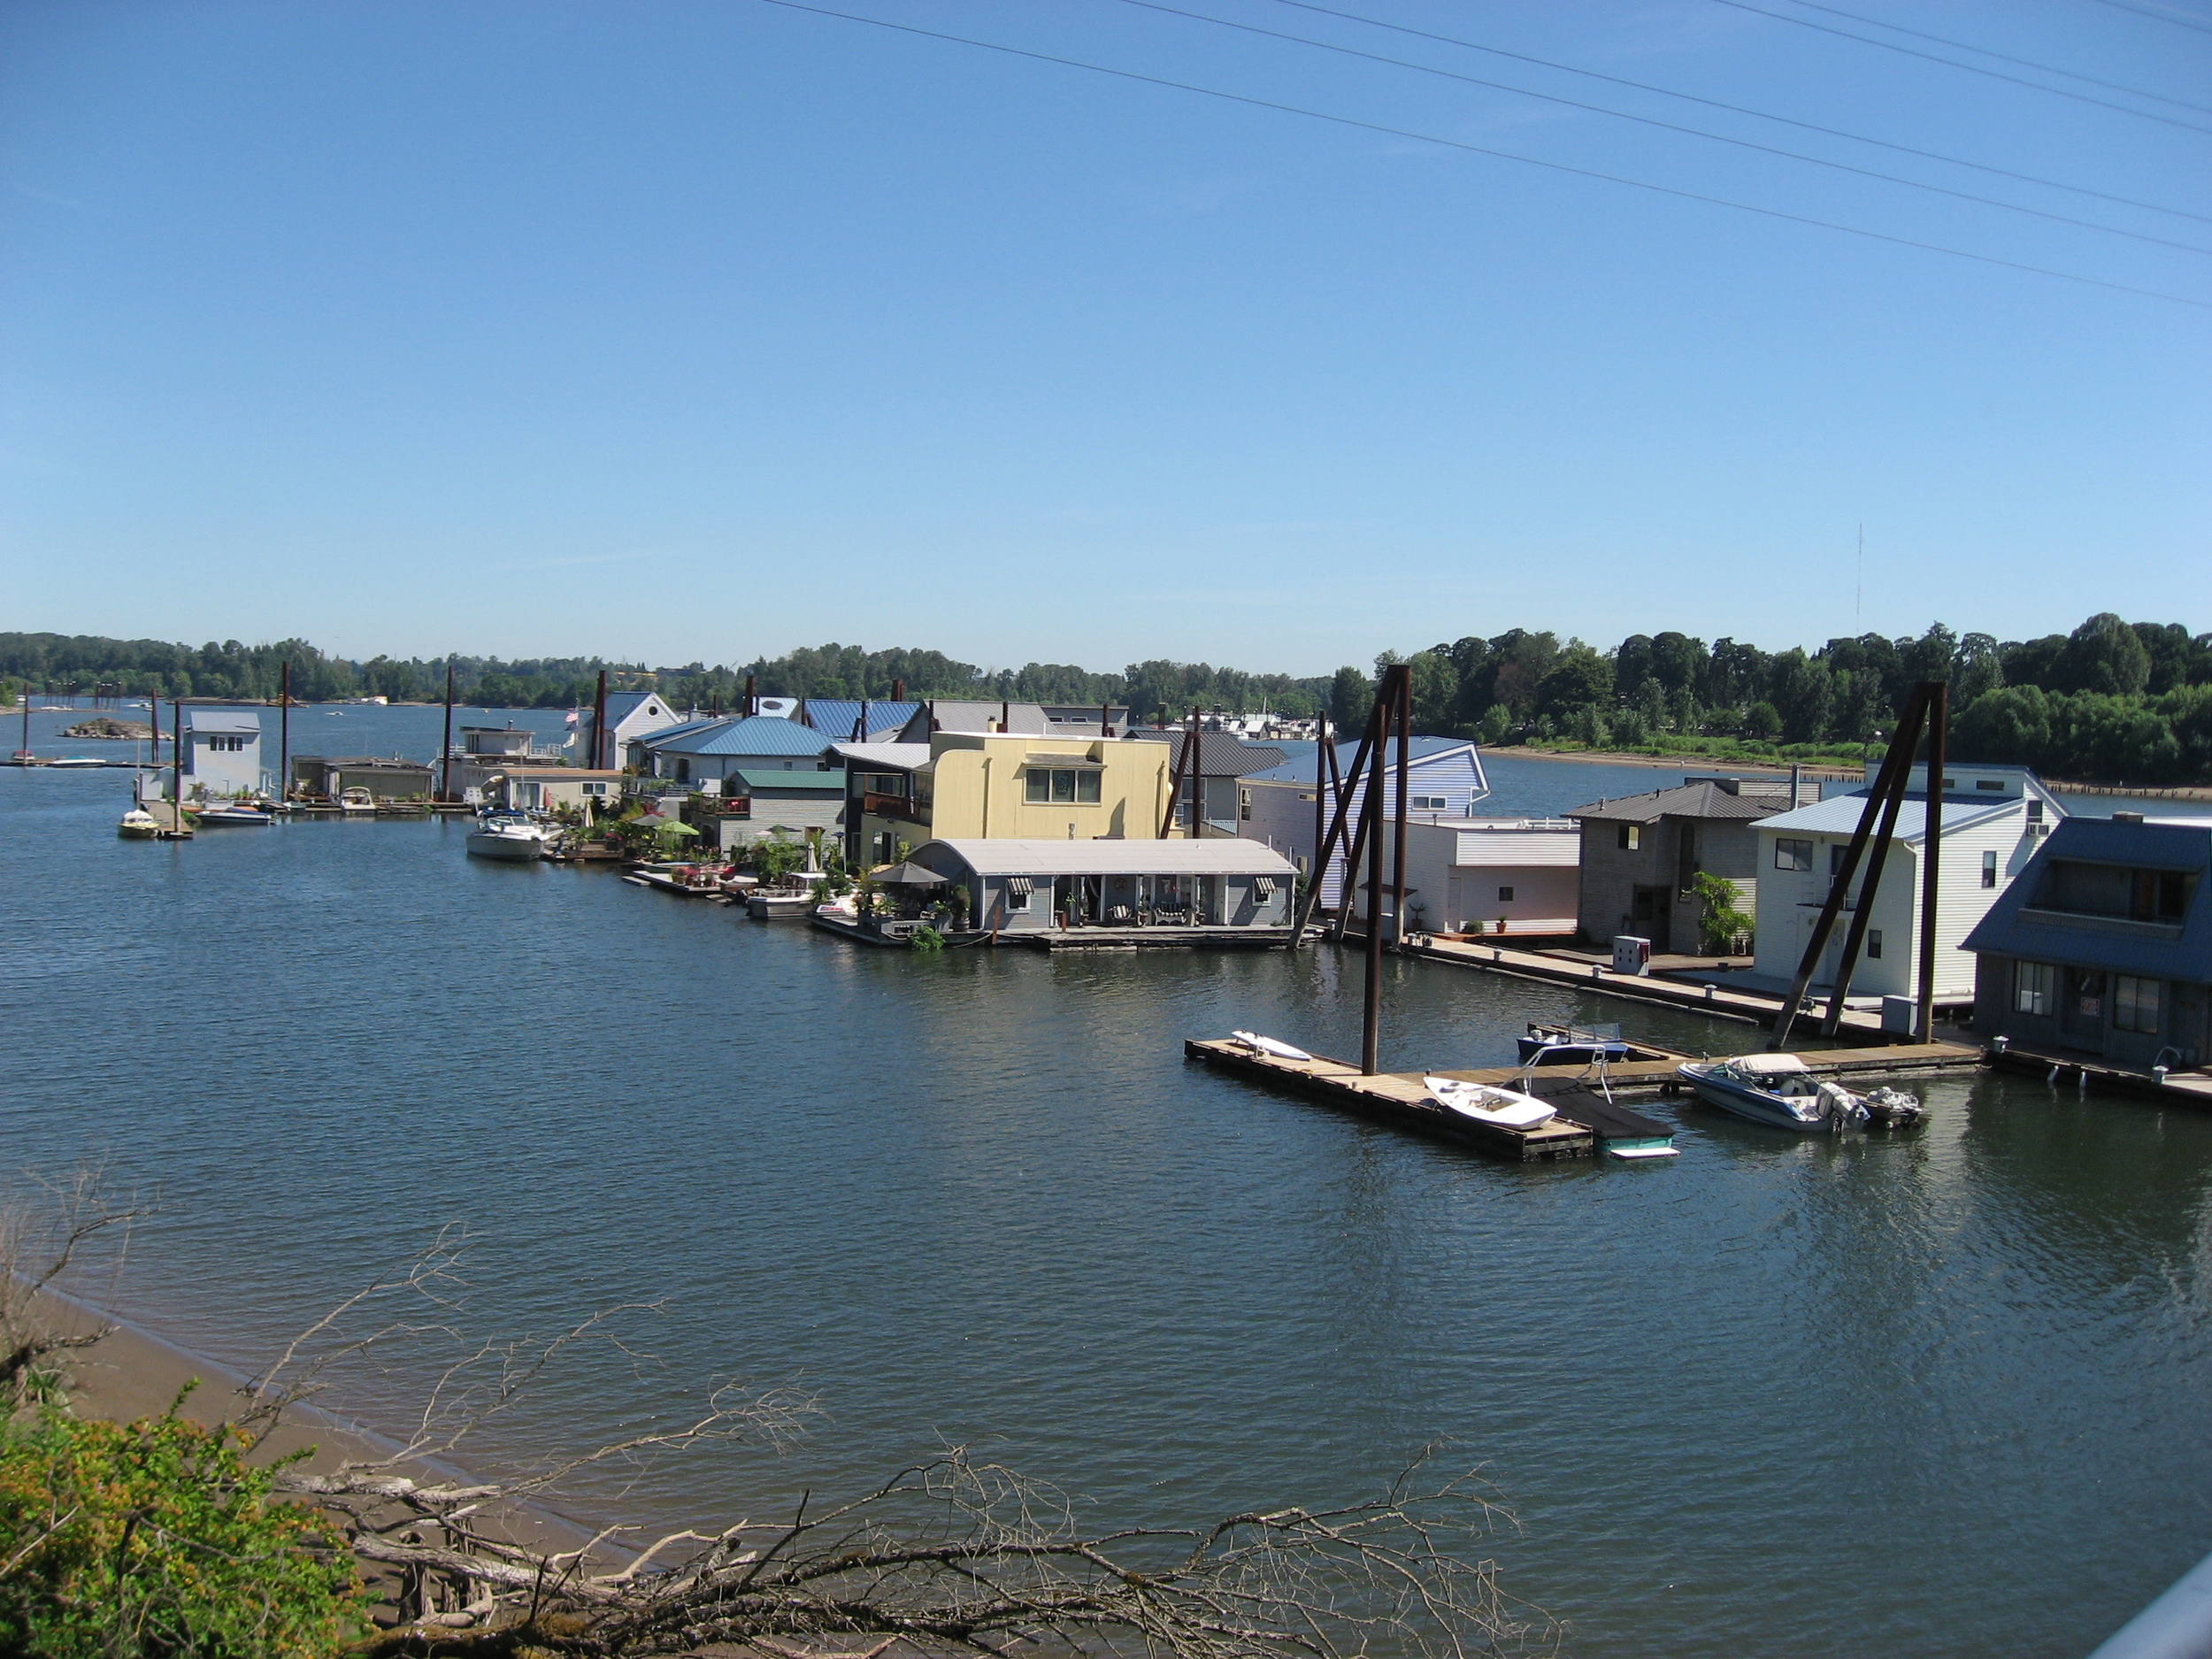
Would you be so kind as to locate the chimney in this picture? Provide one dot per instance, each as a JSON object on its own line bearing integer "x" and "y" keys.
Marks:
{"x": 898, "y": 691}
{"x": 752, "y": 702}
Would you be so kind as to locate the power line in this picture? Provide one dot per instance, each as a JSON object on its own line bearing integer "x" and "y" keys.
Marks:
{"x": 1670, "y": 126}
{"x": 1479, "y": 150}
{"x": 2003, "y": 58}
{"x": 1972, "y": 69}
{"x": 1738, "y": 109}
{"x": 2162, "y": 16}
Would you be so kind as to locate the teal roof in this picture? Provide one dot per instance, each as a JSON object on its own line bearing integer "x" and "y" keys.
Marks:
{"x": 812, "y": 782}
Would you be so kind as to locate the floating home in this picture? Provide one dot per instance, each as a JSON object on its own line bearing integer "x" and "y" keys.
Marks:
{"x": 222, "y": 754}
{"x": 1138, "y": 891}
{"x": 1640, "y": 853}
{"x": 2102, "y": 950}
{"x": 711, "y": 751}
{"x": 1995, "y": 819}
{"x": 1213, "y": 801}
{"x": 631, "y": 715}
{"x": 1276, "y": 804}
{"x": 321, "y": 776}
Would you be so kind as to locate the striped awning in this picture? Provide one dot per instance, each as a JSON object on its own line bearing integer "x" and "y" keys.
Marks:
{"x": 1018, "y": 888}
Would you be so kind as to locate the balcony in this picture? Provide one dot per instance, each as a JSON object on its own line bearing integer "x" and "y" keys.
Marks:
{"x": 891, "y": 806}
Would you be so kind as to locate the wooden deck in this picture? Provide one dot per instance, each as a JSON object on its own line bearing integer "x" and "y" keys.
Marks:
{"x": 1401, "y": 1101}
{"x": 1401, "y": 1098}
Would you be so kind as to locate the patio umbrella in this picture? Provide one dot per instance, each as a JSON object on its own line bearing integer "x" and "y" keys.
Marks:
{"x": 909, "y": 875}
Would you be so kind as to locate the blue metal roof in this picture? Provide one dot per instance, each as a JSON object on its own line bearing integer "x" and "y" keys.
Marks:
{"x": 1300, "y": 769}
{"x": 244, "y": 721}
{"x": 762, "y": 735}
{"x": 835, "y": 716}
{"x": 2014, "y": 926}
{"x": 1840, "y": 814}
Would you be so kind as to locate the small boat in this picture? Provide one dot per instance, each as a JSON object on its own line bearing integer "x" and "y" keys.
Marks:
{"x": 779, "y": 906}
{"x": 233, "y": 812}
{"x": 138, "y": 824}
{"x": 1778, "y": 1090}
{"x": 1270, "y": 1046}
{"x": 1486, "y": 1103}
{"x": 1571, "y": 1045}
{"x": 515, "y": 839}
{"x": 357, "y": 800}
{"x": 76, "y": 762}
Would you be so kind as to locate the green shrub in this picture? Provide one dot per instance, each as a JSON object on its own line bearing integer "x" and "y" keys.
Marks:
{"x": 156, "y": 1538}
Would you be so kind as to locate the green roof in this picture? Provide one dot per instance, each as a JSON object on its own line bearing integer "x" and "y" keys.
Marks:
{"x": 755, "y": 781}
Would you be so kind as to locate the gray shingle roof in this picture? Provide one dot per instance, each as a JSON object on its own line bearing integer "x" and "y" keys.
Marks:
{"x": 1220, "y": 754}
{"x": 1688, "y": 800}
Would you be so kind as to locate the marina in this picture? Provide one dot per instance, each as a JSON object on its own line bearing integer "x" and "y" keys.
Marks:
{"x": 1159, "y": 1260}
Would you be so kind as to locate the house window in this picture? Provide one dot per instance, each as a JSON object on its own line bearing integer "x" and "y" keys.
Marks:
{"x": 1989, "y": 870}
{"x": 2135, "y": 1003}
{"x": 1430, "y": 803}
{"x": 2035, "y": 811}
{"x": 683, "y": 771}
{"x": 2158, "y": 895}
{"x": 1244, "y": 803}
{"x": 1987, "y": 783}
{"x": 1792, "y": 855}
{"x": 1631, "y": 837}
{"x": 594, "y": 788}
{"x": 1061, "y": 788}
{"x": 2034, "y": 988}
{"x": 1873, "y": 944}
{"x": 1836, "y": 852}
{"x": 1505, "y": 896}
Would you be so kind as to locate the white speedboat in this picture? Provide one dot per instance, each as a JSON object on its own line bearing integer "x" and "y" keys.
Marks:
{"x": 138, "y": 824}
{"x": 1486, "y": 1104}
{"x": 516, "y": 840}
{"x": 233, "y": 812}
{"x": 1269, "y": 1046}
{"x": 76, "y": 762}
{"x": 1778, "y": 1090}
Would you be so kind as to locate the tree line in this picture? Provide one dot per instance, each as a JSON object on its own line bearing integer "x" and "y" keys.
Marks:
{"x": 2112, "y": 701}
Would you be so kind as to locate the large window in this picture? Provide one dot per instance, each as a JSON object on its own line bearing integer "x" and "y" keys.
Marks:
{"x": 2135, "y": 1003}
{"x": 1873, "y": 944}
{"x": 1790, "y": 854}
{"x": 2034, "y": 987}
{"x": 1989, "y": 870}
{"x": 1076, "y": 787}
{"x": 1631, "y": 837}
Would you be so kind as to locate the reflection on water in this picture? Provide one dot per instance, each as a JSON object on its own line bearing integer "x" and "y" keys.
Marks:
{"x": 1941, "y": 1394}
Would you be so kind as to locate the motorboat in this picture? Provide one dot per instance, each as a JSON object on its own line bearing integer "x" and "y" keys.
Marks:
{"x": 778, "y": 905}
{"x": 1571, "y": 1045}
{"x": 233, "y": 812}
{"x": 515, "y": 839}
{"x": 1269, "y": 1046}
{"x": 1779, "y": 1090}
{"x": 1486, "y": 1104}
{"x": 76, "y": 763}
{"x": 356, "y": 799}
{"x": 138, "y": 824}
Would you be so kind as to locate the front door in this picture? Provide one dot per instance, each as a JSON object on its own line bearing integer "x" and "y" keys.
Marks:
{"x": 1653, "y": 913}
{"x": 2081, "y": 1011}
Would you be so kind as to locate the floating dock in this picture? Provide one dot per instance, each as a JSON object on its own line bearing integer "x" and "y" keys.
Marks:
{"x": 1402, "y": 1098}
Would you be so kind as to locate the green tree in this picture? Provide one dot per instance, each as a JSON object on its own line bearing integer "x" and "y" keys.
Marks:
{"x": 2105, "y": 655}
{"x": 1435, "y": 694}
{"x": 1579, "y": 679}
{"x": 1497, "y": 720}
{"x": 1761, "y": 721}
{"x": 1351, "y": 696}
{"x": 1719, "y": 918}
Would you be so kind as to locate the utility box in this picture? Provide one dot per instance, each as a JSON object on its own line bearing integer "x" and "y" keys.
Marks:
{"x": 1631, "y": 955}
{"x": 1898, "y": 1014}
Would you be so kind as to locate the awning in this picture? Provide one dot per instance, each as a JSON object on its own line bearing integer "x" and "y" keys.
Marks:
{"x": 1018, "y": 888}
{"x": 909, "y": 875}
{"x": 1264, "y": 888}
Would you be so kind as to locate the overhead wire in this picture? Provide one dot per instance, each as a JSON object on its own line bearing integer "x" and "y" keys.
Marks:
{"x": 1670, "y": 126}
{"x": 2003, "y": 57}
{"x": 1971, "y": 69}
{"x": 1738, "y": 109}
{"x": 2162, "y": 16}
{"x": 1481, "y": 149}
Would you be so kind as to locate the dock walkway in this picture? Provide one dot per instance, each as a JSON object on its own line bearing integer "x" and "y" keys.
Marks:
{"x": 1401, "y": 1098}
{"x": 1716, "y": 1000}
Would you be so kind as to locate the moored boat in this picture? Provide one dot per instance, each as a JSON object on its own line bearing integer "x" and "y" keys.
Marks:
{"x": 138, "y": 824}
{"x": 1780, "y": 1091}
{"x": 1486, "y": 1104}
{"x": 1571, "y": 1045}
{"x": 233, "y": 812}
{"x": 513, "y": 840}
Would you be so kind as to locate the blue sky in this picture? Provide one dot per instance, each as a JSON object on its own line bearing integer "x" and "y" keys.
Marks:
{"x": 684, "y": 331}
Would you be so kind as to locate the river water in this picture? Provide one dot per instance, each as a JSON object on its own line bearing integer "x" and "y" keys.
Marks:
{"x": 1944, "y": 1395}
